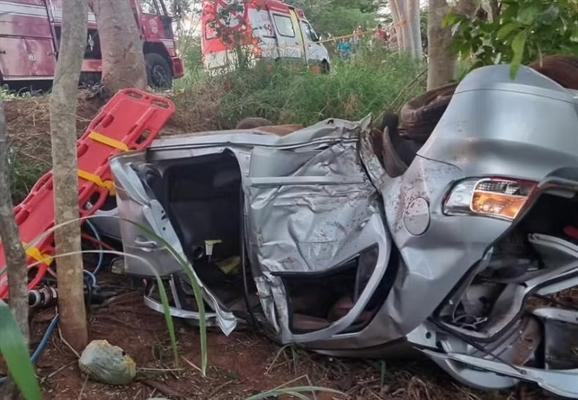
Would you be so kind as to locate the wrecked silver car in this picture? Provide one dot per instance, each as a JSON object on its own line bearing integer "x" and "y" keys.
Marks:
{"x": 315, "y": 238}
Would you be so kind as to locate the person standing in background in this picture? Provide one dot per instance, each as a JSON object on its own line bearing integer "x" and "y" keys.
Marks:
{"x": 380, "y": 35}
{"x": 357, "y": 33}
{"x": 344, "y": 48}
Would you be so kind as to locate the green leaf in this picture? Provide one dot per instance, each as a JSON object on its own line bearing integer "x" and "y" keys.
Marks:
{"x": 488, "y": 28}
{"x": 574, "y": 36}
{"x": 518, "y": 44}
{"x": 510, "y": 13}
{"x": 550, "y": 15}
{"x": 528, "y": 14}
{"x": 450, "y": 19}
{"x": 505, "y": 30}
{"x": 15, "y": 353}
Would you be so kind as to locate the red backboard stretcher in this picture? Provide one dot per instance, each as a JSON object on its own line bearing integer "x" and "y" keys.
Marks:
{"x": 129, "y": 121}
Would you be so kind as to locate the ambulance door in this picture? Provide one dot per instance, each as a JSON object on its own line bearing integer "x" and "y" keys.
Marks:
{"x": 289, "y": 35}
{"x": 314, "y": 51}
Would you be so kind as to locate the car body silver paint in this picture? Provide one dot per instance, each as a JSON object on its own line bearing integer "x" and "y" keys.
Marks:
{"x": 498, "y": 127}
{"x": 468, "y": 143}
{"x": 280, "y": 175}
{"x": 492, "y": 127}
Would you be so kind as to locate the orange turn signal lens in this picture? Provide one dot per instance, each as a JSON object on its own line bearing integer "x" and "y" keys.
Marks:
{"x": 503, "y": 205}
{"x": 493, "y": 197}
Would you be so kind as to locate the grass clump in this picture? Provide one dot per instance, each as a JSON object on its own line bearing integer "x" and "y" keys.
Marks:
{"x": 368, "y": 82}
{"x": 23, "y": 173}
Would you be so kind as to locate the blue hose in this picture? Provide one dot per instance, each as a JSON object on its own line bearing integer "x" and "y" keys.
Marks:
{"x": 92, "y": 275}
{"x": 44, "y": 342}
{"x": 41, "y": 346}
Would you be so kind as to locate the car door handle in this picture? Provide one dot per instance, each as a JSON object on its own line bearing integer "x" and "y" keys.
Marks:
{"x": 2, "y": 51}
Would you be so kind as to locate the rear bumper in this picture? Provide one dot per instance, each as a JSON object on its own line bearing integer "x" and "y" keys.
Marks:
{"x": 178, "y": 67}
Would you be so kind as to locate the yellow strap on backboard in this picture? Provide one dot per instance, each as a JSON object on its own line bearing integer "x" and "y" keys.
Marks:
{"x": 35, "y": 253}
{"x": 97, "y": 181}
{"x": 98, "y": 137}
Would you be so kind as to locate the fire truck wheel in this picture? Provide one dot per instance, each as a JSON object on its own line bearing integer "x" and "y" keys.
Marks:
{"x": 159, "y": 72}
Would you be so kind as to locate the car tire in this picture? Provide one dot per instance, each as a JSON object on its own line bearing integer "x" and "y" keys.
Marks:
{"x": 159, "y": 71}
{"x": 325, "y": 67}
{"x": 420, "y": 115}
{"x": 253, "y": 122}
{"x": 561, "y": 69}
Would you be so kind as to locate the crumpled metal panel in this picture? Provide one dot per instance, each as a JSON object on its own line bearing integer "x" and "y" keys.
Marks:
{"x": 309, "y": 210}
{"x": 306, "y": 221}
{"x": 309, "y": 207}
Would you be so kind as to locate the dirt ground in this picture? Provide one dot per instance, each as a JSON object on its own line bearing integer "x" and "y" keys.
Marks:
{"x": 239, "y": 366}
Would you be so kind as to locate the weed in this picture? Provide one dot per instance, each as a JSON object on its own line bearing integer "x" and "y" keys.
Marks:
{"x": 24, "y": 172}
{"x": 286, "y": 94}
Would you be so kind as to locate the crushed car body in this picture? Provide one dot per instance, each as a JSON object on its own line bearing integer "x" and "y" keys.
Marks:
{"x": 318, "y": 238}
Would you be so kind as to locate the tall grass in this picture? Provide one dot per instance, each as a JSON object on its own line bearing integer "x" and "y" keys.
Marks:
{"x": 366, "y": 83}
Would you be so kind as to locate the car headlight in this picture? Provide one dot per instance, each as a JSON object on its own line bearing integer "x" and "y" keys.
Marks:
{"x": 491, "y": 197}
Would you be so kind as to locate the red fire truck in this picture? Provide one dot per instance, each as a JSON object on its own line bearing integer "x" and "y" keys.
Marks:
{"x": 30, "y": 39}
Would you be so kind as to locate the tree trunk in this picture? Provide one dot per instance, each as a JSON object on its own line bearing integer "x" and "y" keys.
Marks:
{"x": 123, "y": 64}
{"x": 63, "y": 104}
{"x": 414, "y": 27}
{"x": 398, "y": 23}
{"x": 405, "y": 15}
{"x": 494, "y": 10}
{"x": 16, "y": 266}
{"x": 402, "y": 8}
{"x": 442, "y": 61}
{"x": 467, "y": 7}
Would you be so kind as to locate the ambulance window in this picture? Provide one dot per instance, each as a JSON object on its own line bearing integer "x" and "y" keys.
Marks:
{"x": 150, "y": 7}
{"x": 284, "y": 25}
{"x": 210, "y": 31}
{"x": 309, "y": 32}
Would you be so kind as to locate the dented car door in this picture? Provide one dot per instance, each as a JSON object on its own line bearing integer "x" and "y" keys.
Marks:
{"x": 311, "y": 214}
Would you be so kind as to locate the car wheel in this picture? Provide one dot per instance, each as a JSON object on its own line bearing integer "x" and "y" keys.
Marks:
{"x": 253, "y": 122}
{"x": 420, "y": 115}
{"x": 325, "y": 67}
{"x": 159, "y": 72}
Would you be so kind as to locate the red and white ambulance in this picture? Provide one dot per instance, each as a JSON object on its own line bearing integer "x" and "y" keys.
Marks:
{"x": 30, "y": 39}
{"x": 258, "y": 28}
